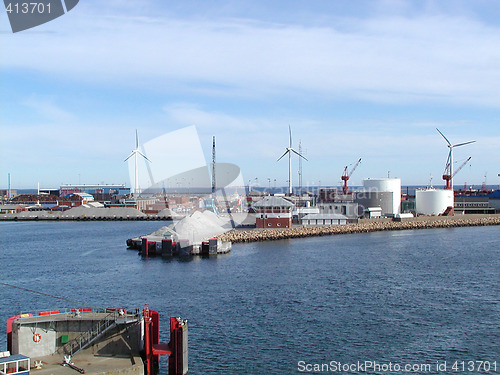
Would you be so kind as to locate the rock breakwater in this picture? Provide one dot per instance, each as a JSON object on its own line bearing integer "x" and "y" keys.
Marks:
{"x": 255, "y": 235}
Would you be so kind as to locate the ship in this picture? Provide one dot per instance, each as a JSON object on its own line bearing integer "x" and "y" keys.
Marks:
{"x": 93, "y": 341}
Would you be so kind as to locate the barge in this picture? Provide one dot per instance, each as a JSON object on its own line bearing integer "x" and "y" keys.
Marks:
{"x": 92, "y": 341}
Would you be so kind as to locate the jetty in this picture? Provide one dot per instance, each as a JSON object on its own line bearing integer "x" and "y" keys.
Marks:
{"x": 363, "y": 226}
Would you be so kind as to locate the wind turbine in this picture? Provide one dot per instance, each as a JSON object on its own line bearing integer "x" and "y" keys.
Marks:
{"x": 134, "y": 153}
{"x": 448, "y": 173}
{"x": 289, "y": 151}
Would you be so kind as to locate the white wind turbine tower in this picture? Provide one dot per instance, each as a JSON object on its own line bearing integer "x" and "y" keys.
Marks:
{"x": 134, "y": 153}
{"x": 448, "y": 173}
{"x": 289, "y": 151}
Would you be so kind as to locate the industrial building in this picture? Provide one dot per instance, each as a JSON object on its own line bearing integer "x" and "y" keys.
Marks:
{"x": 43, "y": 201}
{"x": 323, "y": 219}
{"x": 473, "y": 205}
{"x": 331, "y": 202}
{"x": 101, "y": 192}
{"x": 378, "y": 197}
{"x": 273, "y": 212}
{"x": 349, "y": 209}
{"x": 11, "y": 208}
{"x": 379, "y": 192}
{"x": 6, "y": 194}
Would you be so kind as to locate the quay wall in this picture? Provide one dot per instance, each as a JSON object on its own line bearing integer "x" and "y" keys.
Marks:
{"x": 363, "y": 226}
{"x": 53, "y": 217}
{"x": 89, "y": 213}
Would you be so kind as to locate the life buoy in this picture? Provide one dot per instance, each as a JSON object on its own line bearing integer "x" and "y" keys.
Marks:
{"x": 37, "y": 337}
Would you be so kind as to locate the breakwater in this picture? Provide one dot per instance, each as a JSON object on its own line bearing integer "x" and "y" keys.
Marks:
{"x": 365, "y": 226}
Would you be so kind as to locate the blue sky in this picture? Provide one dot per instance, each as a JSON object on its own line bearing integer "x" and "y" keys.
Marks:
{"x": 369, "y": 79}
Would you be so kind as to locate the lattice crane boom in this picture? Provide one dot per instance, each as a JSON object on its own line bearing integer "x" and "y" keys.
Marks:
{"x": 347, "y": 174}
{"x": 447, "y": 176}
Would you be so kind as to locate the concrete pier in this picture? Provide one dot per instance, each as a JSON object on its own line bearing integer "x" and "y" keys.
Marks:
{"x": 113, "y": 342}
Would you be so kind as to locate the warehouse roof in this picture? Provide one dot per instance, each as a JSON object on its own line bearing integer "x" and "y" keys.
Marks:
{"x": 272, "y": 201}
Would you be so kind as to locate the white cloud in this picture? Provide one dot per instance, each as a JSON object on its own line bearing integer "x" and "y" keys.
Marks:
{"x": 389, "y": 58}
{"x": 202, "y": 67}
{"x": 190, "y": 114}
{"x": 48, "y": 109}
{"x": 412, "y": 154}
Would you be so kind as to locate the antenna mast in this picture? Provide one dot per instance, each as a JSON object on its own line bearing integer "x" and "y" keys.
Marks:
{"x": 214, "y": 185}
{"x": 300, "y": 168}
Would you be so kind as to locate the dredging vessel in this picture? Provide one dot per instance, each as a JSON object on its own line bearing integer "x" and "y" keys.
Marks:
{"x": 92, "y": 341}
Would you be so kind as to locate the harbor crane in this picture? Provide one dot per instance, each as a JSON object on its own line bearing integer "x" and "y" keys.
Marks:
{"x": 447, "y": 176}
{"x": 347, "y": 174}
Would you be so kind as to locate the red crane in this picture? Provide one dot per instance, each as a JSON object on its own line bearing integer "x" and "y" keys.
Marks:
{"x": 446, "y": 174}
{"x": 347, "y": 174}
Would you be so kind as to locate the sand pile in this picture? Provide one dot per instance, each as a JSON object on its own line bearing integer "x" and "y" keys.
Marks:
{"x": 200, "y": 226}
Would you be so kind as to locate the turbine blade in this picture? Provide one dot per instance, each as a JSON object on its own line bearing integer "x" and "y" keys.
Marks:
{"x": 132, "y": 154}
{"x": 299, "y": 154}
{"x": 446, "y": 139}
{"x": 465, "y": 143}
{"x": 290, "y": 131}
{"x": 286, "y": 152}
{"x": 136, "y": 139}
{"x": 144, "y": 156}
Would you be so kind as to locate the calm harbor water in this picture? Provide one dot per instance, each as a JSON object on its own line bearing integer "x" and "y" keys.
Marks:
{"x": 408, "y": 297}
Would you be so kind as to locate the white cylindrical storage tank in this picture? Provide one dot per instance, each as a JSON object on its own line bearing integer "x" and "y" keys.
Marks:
{"x": 391, "y": 185}
{"x": 433, "y": 201}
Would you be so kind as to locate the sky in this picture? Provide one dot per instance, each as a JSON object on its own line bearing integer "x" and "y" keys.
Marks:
{"x": 353, "y": 79}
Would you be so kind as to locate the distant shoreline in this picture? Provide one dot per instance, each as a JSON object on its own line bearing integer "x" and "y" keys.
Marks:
{"x": 12, "y": 217}
{"x": 364, "y": 226}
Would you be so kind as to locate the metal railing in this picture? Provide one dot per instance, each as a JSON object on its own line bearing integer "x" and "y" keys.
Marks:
{"x": 86, "y": 338}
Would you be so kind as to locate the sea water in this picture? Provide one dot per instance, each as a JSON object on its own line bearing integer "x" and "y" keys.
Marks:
{"x": 405, "y": 298}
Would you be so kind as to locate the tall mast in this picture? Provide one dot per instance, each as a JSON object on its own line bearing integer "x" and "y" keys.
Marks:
{"x": 300, "y": 168}
{"x": 214, "y": 184}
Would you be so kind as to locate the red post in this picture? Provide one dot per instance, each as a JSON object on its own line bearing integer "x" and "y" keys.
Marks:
{"x": 145, "y": 247}
{"x": 154, "y": 335}
{"x": 177, "y": 362}
{"x": 147, "y": 339}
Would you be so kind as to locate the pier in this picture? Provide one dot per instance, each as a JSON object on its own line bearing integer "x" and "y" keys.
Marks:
{"x": 364, "y": 226}
{"x": 97, "y": 341}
